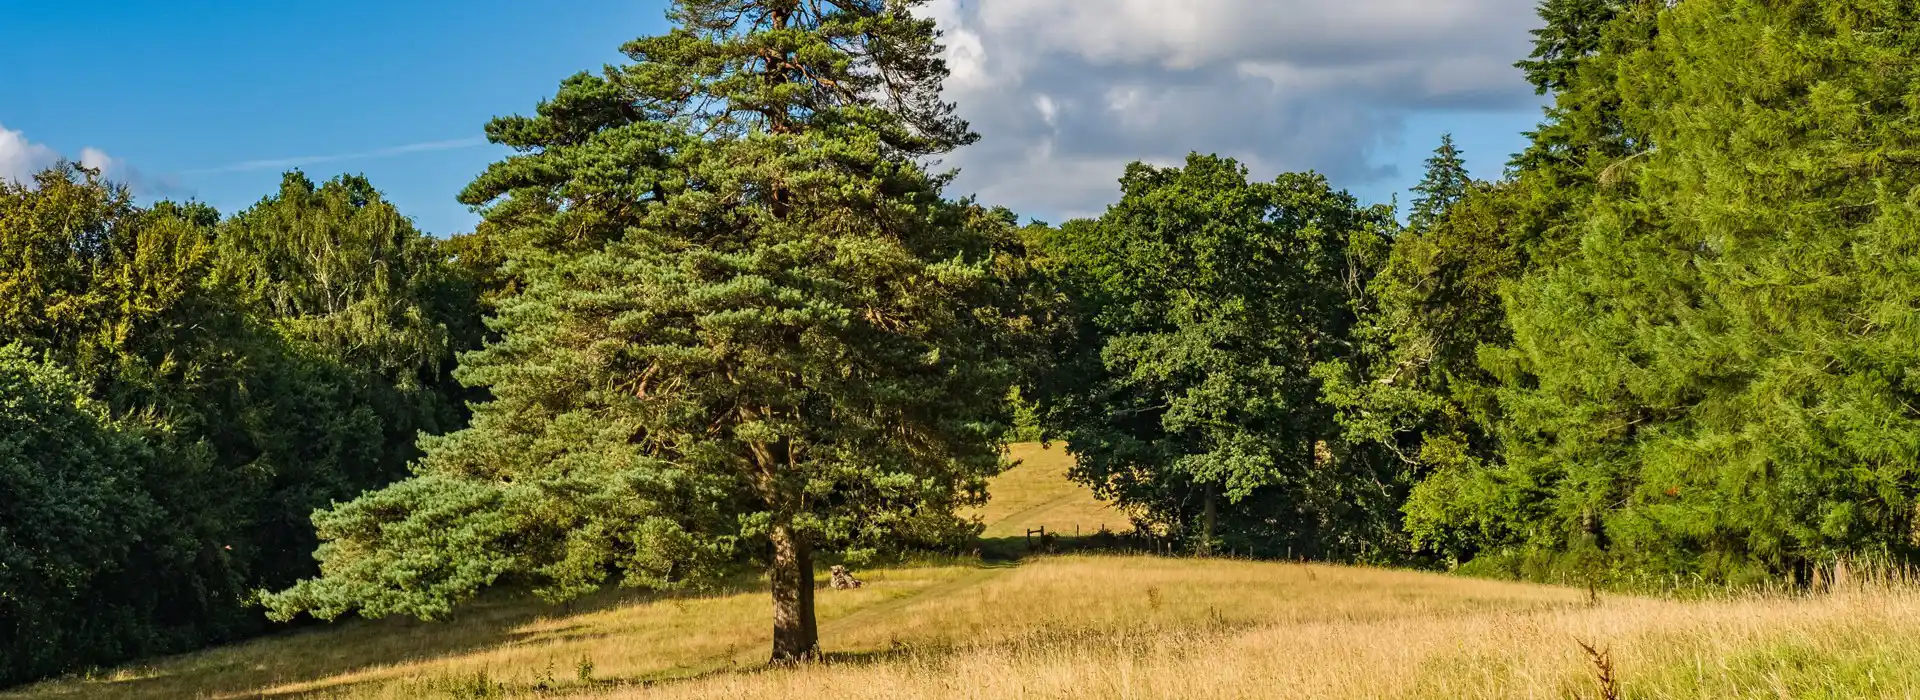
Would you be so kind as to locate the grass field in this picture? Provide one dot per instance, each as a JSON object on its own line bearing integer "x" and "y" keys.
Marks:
{"x": 1037, "y": 494}
{"x": 1088, "y": 627}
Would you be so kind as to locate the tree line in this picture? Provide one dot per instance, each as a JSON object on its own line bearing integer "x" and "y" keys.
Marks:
{"x": 181, "y": 390}
{"x": 1675, "y": 338}
{"x": 721, "y": 313}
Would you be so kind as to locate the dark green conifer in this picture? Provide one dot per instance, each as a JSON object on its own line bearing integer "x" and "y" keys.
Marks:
{"x": 1717, "y": 380}
{"x": 748, "y": 324}
{"x": 1571, "y": 33}
{"x": 1446, "y": 181}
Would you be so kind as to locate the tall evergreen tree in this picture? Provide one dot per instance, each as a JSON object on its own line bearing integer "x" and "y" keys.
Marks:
{"x": 1416, "y": 393}
{"x": 1717, "y": 381}
{"x": 1446, "y": 181}
{"x": 1571, "y": 32}
{"x": 749, "y": 325}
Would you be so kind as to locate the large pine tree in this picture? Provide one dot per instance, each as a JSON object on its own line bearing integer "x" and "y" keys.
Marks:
{"x": 747, "y": 323}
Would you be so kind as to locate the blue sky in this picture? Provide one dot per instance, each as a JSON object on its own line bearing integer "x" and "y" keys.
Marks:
{"x": 211, "y": 100}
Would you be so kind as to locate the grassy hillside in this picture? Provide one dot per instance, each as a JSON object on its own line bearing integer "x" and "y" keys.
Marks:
{"x": 1038, "y": 494}
{"x": 1086, "y": 626}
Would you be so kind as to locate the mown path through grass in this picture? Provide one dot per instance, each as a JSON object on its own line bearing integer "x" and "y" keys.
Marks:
{"x": 976, "y": 576}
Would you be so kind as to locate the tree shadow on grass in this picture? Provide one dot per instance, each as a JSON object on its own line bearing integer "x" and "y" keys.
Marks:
{"x": 1017, "y": 547}
{"x": 509, "y": 619}
{"x": 316, "y": 659}
{"x": 831, "y": 658}
{"x": 1203, "y": 635}
{"x": 329, "y": 660}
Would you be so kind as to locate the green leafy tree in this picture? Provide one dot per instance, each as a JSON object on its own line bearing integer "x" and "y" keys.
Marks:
{"x": 75, "y": 522}
{"x": 1718, "y": 381}
{"x": 748, "y": 325}
{"x": 253, "y": 414}
{"x": 337, "y": 267}
{"x": 112, "y": 293}
{"x": 1205, "y": 301}
{"x": 474, "y": 279}
{"x": 354, "y": 350}
{"x": 1413, "y": 396}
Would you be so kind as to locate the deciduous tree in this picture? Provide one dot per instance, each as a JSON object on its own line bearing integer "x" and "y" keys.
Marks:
{"x": 1188, "y": 396}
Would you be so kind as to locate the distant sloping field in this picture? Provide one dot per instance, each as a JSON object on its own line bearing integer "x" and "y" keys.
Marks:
{"x": 1086, "y": 627}
{"x": 1036, "y": 493}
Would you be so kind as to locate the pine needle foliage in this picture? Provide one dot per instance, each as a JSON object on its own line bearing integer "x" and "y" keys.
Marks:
{"x": 1718, "y": 378}
{"x": 748, "y": 326}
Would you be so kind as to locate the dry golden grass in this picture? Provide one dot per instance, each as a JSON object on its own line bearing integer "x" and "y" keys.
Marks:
{"x": 513, "y": 640}
{"x": 1242, "y": 630}
{"x": 1038, "y": 494}
{"x": 1087, "y": 627}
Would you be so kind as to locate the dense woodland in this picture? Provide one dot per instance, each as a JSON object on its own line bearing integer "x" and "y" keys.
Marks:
{"x": 722, "y": 314}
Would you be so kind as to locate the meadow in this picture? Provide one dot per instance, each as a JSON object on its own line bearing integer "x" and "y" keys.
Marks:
{"x": 1087, "y": 626}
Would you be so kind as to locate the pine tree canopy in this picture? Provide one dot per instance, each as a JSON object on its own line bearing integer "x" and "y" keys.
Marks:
{"x": 1572, "y": 33}
{"x": 1718, "y": 380}
{"x": 749, "y": 326}
{"x": 1445, "y": 183}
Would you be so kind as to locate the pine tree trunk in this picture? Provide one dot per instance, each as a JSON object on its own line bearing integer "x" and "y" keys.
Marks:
{"x": 796, "y": 638}
{"x": 1209, "y": 515}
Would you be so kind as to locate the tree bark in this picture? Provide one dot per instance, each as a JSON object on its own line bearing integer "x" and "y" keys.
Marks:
{"x": 1209, "y": 515}
{"x": 796, "y": 637}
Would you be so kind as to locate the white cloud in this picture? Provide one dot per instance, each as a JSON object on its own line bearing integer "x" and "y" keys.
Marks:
{"x": 1048, "y": 110}
{"x": 1066, "y": 92}
{"x": 99, "y": 160}
{"x": 20, "y": 158}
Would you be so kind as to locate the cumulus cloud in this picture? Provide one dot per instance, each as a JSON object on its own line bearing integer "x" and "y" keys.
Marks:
{"x": 1066, "y": 92}
{"x": 21, "y": 159}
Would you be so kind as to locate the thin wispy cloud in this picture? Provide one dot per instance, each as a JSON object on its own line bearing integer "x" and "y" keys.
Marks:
{"x": 284, "y": 163}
